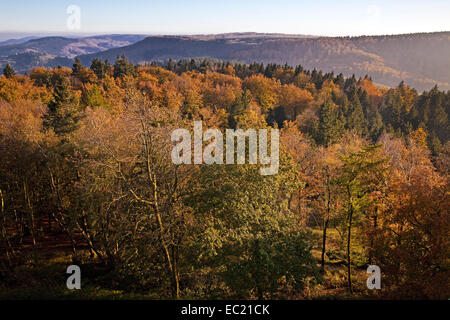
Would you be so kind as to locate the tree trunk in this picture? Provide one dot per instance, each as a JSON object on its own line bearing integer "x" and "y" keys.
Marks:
{"x": 325, "y": 226}
{"x": 259, "y": 292}
{"x": 175, "y": 276}
{"x": 349, "y": 233}
{"x": 324, "y": 241}
{"x": 9, "y": 249}
{"x": 31, "y": 223}
{"x": 171, "y": 262}
{"x": 84, "y": 228}
{"x": 374, "y": 219}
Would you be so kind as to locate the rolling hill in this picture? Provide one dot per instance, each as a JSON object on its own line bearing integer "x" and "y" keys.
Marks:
{"x": 422, "y": 60}
{"x": 51, "y": 51}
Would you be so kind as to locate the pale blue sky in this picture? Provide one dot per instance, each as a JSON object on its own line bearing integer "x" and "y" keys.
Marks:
{"x": 318, "y": 17}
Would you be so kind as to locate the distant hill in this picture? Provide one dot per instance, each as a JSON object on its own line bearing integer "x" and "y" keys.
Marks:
{"x": 49, "y": 51}
{"x": 421, "y": 60}
{"x": 18, "y": 40}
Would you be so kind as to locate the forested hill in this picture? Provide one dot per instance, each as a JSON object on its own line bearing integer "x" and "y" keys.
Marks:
{"x": 54, "y": 51}
{"x": 422, "y": 60}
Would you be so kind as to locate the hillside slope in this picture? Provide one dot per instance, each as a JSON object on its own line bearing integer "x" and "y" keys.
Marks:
{"x": 421, "y": 60}
{"x": 50, "y": 51}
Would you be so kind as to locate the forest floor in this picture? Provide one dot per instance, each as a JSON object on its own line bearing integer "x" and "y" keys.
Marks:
{"x": 42, "y": 274}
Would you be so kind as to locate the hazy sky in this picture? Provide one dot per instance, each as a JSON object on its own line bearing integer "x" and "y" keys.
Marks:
{"x": 318, "y": 17}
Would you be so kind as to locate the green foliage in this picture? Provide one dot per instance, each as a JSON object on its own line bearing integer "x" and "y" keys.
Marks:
{"x": 63, "y": 111}
{"x": 249, "y": 232}
{"x": 93, "y": 97}
{"x": 362, "y": 174}
{"x": 330, "y": 126}
{"x": 266, "y": 264}
{"x": 8, "y": 71}
{"x": 354, "y": 113}
{"x": 77, "y": 67}
{"x": 99, "y": 68}
{"x": 123, "y": 68}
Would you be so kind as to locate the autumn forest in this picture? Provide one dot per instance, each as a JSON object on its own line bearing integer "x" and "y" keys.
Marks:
{"x": 86, "y": 179}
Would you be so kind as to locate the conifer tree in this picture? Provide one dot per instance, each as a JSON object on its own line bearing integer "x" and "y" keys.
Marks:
{"x": 63, "y": 113}
{"x": 355, "y": 115}
{"x": 122, "y": 67}
{"x": 98, "y": 67}
{"x": 8, "y": 71}
{"x": 330, "y": 127}
{"x": 77, "y": 67}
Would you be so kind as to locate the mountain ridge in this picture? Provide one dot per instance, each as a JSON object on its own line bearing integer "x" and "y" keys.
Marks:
{"x": 49, "y": 50}
{"x": 388, "y": 59}
{"x": 422, "y": 60}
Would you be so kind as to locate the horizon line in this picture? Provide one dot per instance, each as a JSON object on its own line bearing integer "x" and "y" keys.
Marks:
{"x": 94, "y": 33}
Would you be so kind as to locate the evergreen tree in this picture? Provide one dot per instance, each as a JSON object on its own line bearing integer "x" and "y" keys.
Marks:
{"x": 355, "y": 115}
{"x": 434, "y": 144}
{"x": 241, "y": 103}
{"x": 8, "y": 71}
{"x": 340, "y": 80}
{"x": 77, "y": 67}
{"x": 298, "y": 69}
{"x": 63, "y": 113}
{"x": 192, "y": 65}
{"x": 170, "y": 65}
{"x": 108, "y": 68}
{"x": 350, "y": 83}
{"x": 123, "y": 68}
{"x": 330, "y": 127}
{"x": 98, "y": 67}
{"x": 375, "y": 124}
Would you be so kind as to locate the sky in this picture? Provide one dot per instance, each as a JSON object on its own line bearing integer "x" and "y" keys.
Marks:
{"x": 317, "y": 17}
